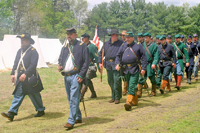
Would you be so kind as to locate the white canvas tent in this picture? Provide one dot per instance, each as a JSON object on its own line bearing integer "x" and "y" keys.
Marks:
{"x": 11, "y": 45}
{"x": 2, "y": 67}
{"x": 51, "y": 49}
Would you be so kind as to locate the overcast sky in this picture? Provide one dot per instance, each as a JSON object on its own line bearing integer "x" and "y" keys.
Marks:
{"x": 175, "y": 2}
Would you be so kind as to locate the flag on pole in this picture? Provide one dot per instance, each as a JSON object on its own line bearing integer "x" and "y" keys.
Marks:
{"x": 96, "y": 37}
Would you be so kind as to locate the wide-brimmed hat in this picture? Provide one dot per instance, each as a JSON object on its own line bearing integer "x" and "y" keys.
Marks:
{"x": 28, "y": 36}
{"x": 114, "y": 31}
{"x": 71, "y": 30}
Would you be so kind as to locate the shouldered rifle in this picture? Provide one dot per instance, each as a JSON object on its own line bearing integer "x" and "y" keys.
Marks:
{"x": 102, "y": 56}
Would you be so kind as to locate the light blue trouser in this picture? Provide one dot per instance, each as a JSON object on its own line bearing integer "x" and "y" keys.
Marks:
{"x": 73, "y": 94}
{"x": 196, "y": 68}
{"x": 178, "y": 70}
{"x": 19, "y": 96}
{"x": 170, "y": 76}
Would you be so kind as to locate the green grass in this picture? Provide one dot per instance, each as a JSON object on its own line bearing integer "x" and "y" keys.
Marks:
{"x": 177, "y": 111}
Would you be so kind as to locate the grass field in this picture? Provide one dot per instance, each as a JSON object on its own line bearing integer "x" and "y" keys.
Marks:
{"x": 176, "y": 111}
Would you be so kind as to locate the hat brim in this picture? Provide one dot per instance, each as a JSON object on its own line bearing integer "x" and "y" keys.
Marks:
{"x": 114, "y": 34}
{"x": 31, "y": 40}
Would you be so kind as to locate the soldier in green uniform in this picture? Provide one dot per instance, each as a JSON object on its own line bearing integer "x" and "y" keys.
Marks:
{"x": 159, "y": 75}
{"x": 93, "y": 51}
{"x": 182, "y": 58}
{"x": 152, "y": 60}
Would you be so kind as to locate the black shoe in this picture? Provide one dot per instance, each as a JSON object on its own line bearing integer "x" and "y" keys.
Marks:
{"x": 9, "y": 115}
{"x": 39, "y": 114}
{"x": 178, "y": 88}
{"x": 94, "y": 95}
{"x": 161, "y": 91}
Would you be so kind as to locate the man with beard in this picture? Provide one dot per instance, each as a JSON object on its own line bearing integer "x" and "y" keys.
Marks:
{"x": 111, "y": 47}
{"x": 27, "y": 80}
{"x": 129, "y": 56}
{"x": 74, "y": 69}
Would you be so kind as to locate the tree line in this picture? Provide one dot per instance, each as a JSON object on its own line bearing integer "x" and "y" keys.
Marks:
{"x": 50, "y": 18}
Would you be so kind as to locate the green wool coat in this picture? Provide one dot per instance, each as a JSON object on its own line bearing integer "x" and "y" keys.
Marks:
{"x": 93, "y": 50}
{"x": 184, "y": 50}
{"x": 153, "y": 49}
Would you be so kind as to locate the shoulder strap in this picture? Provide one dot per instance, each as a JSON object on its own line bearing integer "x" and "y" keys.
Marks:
{"x": 21, "y": 58}
{"x": 71, "y": 52}
{"x": 148, "y": 51}
{"x": 179, "y": 51}
{"x": 134, "y": 54}
{"x": 166, "y": 53}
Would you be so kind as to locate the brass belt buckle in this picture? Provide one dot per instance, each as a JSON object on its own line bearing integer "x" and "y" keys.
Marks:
{"x": 128, "y": 65}
{"x": 111, "y": 60}
{"x": 68, "y": 74}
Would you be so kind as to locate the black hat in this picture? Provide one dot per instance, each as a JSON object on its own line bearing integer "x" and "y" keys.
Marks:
{"x": 71, "y": 30}
{"x": 114, "y": 31}
{"x": 85, "y": 35}
{"x": 26, "y": 35}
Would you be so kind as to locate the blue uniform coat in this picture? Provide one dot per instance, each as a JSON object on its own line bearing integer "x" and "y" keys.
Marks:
{"x": 128, "y": 57}
{"x": 110, "y": 52}
{"x": 30, "y": 60}
{"x": 81, "y": 57}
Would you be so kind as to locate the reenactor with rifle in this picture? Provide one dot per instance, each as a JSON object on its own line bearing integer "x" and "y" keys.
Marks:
{"x": 128, "y": 58}
{"x": 111, "y": 47}
{"x": 152, "y": 60}
{"x": 91, "y": 73}
{"x": 182, "y": 59}
{"x": 167, "y": 60}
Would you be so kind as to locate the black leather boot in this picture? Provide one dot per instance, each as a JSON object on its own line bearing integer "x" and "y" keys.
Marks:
{"x": 39, "y": 114}
{"x": 9, "y": 115}
{"x": 91, "y": 87}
